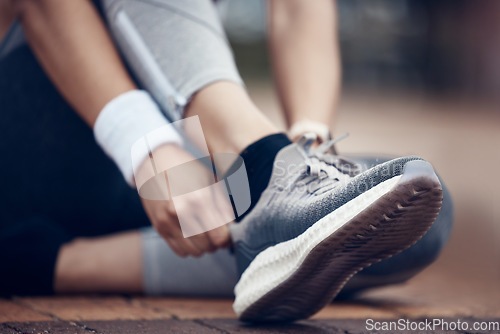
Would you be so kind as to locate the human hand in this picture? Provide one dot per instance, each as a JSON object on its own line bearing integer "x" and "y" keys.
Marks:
{"x": 203, "y": 209}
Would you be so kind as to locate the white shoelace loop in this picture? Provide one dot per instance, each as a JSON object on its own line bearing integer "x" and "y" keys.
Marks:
{"x": 325, "y": 158}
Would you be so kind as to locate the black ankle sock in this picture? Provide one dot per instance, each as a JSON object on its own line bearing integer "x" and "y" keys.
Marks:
{"x": 259, "y": 159}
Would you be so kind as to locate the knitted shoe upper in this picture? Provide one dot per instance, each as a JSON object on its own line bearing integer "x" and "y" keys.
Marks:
{"x": 301, "y": 191}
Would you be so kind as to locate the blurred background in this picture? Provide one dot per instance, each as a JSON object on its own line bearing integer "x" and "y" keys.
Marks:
{"x": 434, "y": 46}
{"x": 419, "y": 77}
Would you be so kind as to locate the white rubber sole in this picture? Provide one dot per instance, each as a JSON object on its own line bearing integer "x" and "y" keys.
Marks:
{"x": 296, "y": 278}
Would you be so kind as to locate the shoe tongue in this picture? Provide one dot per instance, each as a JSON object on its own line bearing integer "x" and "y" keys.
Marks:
{"x": 289, "y": 160}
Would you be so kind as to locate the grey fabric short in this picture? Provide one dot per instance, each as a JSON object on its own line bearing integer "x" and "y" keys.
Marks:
{"x": 165, "y": 273}
{"x": 173, "y": 48}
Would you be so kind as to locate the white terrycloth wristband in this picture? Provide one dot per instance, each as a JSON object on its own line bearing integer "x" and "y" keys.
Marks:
{"x": 123, "y": 121}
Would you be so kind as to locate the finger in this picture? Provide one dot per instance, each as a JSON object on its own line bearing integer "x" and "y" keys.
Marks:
{"x": 212, "y": 218}
{"x": 170, "y": 230}
{"x": 223, "y": 205}
{"x": 191, "y": 222}
{"x": 186, "y": 244}
{"x": 191, "y": 248}
{"x": 202, "y": 242}
{"x": 176, "y": 248}
{"x": 220, "y": 236}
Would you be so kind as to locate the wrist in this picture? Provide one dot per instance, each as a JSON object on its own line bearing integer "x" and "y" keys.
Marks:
{"x": 126, "y": 120}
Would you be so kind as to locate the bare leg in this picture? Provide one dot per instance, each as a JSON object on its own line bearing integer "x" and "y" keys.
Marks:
{"x": 306, "y": 58}
{"x": 75, "y": 50}
{"x": 229, "y": 118}
{"x": 103, "y": 264}
{"x": 7, "y": 16}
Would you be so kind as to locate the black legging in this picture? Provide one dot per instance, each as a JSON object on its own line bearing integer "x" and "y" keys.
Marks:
{"x": 56, "y": 182}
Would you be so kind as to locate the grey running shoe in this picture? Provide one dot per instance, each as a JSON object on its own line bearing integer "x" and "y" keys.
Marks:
{"x": 314, "y": 227}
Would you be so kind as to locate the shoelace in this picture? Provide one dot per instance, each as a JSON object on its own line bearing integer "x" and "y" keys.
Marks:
{"x": 325, "y": 158}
